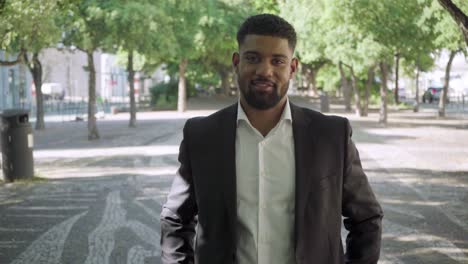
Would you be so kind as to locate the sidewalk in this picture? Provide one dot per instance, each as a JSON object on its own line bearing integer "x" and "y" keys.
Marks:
{"x": 102, "y": 201}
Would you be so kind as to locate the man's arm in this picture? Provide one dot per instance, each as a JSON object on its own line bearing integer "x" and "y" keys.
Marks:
{"x": 363, "y": 214}
{"x": 178, "y": 214}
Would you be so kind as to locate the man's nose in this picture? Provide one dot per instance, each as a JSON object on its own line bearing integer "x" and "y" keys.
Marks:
{"x": 264, "y": 69}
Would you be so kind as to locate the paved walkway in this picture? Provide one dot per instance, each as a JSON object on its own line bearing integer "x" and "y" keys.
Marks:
{"x": 102, "y": 201}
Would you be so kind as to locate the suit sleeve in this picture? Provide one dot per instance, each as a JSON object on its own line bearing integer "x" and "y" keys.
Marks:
{"x": 363, "y": 214}
{"x": 178, "y": 213}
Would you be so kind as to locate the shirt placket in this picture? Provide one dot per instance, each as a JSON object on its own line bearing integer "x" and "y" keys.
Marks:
{"x": 261, "y": 202}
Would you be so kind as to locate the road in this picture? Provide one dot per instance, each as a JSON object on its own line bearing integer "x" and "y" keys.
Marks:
{"x": 102, "y": 199}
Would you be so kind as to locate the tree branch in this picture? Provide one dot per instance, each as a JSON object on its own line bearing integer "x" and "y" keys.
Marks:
{"x": 2, "y": 5}
{"x": 457, "y": 14}
{"x": 28, "y": 63}
{"x": 19, "y": 59}
{"x": 347, "y": 66}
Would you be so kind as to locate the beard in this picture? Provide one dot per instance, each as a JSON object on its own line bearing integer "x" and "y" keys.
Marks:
{"x": 263, "y": 100}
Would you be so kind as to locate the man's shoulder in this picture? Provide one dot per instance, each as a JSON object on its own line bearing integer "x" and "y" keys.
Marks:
{"x": 326, "y": 126}
{"x": 317, "y": 118}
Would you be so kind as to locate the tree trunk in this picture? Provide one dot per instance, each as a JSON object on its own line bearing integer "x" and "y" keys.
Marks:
{"x": 93, "y": 132}
{"x": 457, "y": 14}
{"x": 443, "y": 96}
{"x": 303, "y": 75}
{"x": 312, "y": 81}
{"x": 142, "y": 89}
{"x": 383, "y": 93}
{"x": 225, "y": 82}
{"x": 355, "y": 88}
{"x": 397, "y": 69}
{"x": 182, "y": 100}
{"x": 37, "y": 76}
{"x": 36, "y": 72}
{"x": 309, "y": 71}
{"x": 345, "y": 87}
{"x": 131, "y": 84}
{"x": 416, "y": 99}
{"x": 369, "y": 82}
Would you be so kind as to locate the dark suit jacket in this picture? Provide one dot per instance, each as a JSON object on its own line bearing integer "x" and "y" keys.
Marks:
{"x": 330, "y": 183}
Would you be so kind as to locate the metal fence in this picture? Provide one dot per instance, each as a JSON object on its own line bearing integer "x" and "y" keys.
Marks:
{"x": 77, "y": 110}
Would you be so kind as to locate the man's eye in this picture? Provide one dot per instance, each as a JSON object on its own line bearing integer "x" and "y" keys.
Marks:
{"x": 251, "y": 59}
{"x": 278, "y": 61}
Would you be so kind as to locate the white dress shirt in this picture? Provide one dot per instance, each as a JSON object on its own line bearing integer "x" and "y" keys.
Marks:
{"x": 265, "y": 179}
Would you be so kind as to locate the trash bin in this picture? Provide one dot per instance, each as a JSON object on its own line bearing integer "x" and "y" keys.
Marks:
{"x": 16, "y": 145}
{"x": 324, "y": 102}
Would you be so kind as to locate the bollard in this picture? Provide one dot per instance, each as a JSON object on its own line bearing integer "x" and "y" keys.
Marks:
{"x": 324, "y": 102}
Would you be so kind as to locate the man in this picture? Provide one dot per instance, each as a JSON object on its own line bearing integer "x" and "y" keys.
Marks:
{"x": 269, "y": 181}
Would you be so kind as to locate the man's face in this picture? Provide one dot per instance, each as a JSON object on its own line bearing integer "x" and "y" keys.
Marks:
{"x": 264, "y": 66}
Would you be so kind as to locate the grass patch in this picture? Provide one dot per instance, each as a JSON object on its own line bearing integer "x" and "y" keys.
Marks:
{"x": 397, "y": 107}
{"x": 164, "y": 104}
{"x": 35, "y": 179}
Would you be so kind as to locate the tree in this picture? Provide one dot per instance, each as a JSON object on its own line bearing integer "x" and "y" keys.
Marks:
{"x": 86, "y": 28}
{"x": 354, "y": 51}
{"x": 217, "y": 39}
{"x": 186, "y": 15}
{"x": 367, "y": 91}
{"x": 266, "y": 6}
{"x": 383, "y": 93}
{"x": 306, "y": 19}
{"x": 139, "y": 28}
{"x": 345, "y": 87}
{"x": 27, "y": 27}
{"x": 448, "y": 38}
{"x": 393, "y": 28}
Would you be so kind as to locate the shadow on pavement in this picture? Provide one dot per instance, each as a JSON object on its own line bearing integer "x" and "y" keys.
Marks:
{"x": 85, "y": 219}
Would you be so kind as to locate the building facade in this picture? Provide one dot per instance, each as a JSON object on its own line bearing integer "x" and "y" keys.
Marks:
{"x": 15, "y": 85}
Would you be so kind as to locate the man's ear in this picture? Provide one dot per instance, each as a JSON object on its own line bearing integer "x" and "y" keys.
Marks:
{"x": 235, "y": 59}
{"x": 293, "y": 67}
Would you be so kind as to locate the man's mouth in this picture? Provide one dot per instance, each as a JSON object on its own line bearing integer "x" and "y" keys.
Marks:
{"x": 263, "y": 85}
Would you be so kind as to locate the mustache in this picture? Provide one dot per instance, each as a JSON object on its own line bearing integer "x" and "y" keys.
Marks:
{"x": 263, "y": 80}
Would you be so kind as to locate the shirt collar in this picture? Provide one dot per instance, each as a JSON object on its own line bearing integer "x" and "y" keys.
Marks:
{"x": 286, "y": 115}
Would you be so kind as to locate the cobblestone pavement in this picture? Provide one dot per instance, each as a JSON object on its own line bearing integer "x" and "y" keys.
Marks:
{"x": 102, "y": 199}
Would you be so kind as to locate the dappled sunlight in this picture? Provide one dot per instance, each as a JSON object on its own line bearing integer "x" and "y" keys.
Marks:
{"x": 438, "y": 181}
{"x": 409, "y": 202}
{"x": 160, "y": 115}
{"x": 62, "y": 173}
{"x": 98, "y": 162}
{"x": 417, "y": 237}
{"x": 107, "y": 152}
{"x": 11, "y": 201}
{"x": 410, "y": 156}
{"x": 417, "y": 241}
{"x": 457, "y": 253}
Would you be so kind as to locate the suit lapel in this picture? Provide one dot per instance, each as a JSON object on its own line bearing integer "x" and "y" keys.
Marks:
{"x": 304, "y": 151}
{"x": 227, "y": 155}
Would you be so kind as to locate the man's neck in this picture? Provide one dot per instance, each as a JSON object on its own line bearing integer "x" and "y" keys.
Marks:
{"x": 264, "y": 120}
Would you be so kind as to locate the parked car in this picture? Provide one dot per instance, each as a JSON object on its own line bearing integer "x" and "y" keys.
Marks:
{"x": 402, "y": 93}
{"x": 53, "y": 91}
{"x": 433, "y": 94}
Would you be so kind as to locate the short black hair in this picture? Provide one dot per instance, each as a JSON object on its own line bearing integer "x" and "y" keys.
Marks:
{"x": 267, "y": 25}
